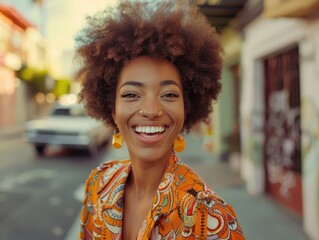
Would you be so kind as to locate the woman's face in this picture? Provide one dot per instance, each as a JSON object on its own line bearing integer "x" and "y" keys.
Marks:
{"x": 149, "y": 108}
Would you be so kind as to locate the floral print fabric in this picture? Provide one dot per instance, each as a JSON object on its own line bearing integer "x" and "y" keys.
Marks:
{"x": 184, "y": 206}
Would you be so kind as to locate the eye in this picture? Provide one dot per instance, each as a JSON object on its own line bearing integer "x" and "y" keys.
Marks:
{"x": 129, "y": 95}
{"x": 170, "y": 95}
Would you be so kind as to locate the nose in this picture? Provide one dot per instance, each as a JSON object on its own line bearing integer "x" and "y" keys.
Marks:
{"x": 150, "y": 109}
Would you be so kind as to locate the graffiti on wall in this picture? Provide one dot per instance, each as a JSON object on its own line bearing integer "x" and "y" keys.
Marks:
{"x": 283, "y": 127}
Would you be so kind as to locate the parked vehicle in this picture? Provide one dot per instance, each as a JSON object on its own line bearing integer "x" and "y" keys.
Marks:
{"x": 67, "y": 126}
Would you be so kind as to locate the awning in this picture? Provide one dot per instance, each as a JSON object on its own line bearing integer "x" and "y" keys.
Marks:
{"x": 220, "y": 12}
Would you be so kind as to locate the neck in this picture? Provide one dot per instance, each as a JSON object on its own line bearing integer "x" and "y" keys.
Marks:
{"x": 145, "y": 178}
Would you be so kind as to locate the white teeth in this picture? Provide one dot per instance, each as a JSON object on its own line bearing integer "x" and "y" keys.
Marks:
{"x": 149, "y": 129}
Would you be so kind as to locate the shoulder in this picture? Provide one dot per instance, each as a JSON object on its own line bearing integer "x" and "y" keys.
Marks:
{"x": 201, "y": 206}
{"x": 186, "y": 180}
{"x": 103, "y": 173}
{"x": 194, "y": 191}
{"x": 110, "y": 167}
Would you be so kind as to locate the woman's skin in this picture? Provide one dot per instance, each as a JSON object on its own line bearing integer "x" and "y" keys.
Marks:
{"x": 149, "y": 93}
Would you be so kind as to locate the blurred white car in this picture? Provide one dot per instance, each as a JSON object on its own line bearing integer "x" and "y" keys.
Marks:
{"x": 67, "y": 126}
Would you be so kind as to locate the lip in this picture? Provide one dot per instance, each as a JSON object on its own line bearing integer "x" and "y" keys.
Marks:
{"x": 154, "y": 123}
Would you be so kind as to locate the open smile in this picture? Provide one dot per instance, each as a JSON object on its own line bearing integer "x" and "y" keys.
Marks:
{"x": 149, "y": 129}
{"x": 150, "y": 134}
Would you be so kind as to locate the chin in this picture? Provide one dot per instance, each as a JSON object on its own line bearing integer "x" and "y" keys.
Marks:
{"x": 151, "y": 155}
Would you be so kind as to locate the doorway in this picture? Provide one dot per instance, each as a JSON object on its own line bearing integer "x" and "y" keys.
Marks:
{"x": 282, "y": 149}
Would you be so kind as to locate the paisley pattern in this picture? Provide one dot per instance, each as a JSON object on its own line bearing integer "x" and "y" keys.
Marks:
{"x": 184, "y": 206}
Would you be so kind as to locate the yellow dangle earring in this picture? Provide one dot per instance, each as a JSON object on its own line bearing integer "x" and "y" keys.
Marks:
{"x": 117, "y": 139}
{"x": 179, "y": 143}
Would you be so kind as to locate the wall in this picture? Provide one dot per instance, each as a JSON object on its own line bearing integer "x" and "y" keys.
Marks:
{"x": 264, "y": 37}
{"x": 223, "y": 119}
{"x": 310, "y": 127}
{"x": 226, "y": 109}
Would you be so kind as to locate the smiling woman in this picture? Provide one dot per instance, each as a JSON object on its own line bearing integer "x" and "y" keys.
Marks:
{"x": 153, "y": 101}
{"x": 151, "y": 70}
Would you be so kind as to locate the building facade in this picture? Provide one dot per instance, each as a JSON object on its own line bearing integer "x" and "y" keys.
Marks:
{"x": 29, "y": 70}
{"x": 12, "y": 57}
{"x": 280, "y": 107}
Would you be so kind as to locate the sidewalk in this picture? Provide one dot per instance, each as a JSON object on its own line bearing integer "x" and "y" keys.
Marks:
{"x": 7, "y": 132}
{"x": 261, "y": 218}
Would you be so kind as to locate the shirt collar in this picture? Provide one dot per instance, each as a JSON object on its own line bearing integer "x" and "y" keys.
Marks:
{"x": 164, "y": 201}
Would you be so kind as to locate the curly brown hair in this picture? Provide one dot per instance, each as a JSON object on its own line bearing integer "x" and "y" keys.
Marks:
{"x": 171, "y": 30}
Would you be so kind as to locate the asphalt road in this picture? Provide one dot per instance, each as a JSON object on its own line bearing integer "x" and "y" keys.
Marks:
{"x": 40, "y": 196}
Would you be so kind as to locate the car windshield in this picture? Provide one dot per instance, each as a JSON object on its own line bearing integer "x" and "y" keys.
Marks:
{"x": 70, "y": 112}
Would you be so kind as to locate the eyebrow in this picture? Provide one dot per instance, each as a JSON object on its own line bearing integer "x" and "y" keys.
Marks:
{"x": 139, "y": 84}
{"x": 168, "y": 82}
{"x": 133, "y": 83}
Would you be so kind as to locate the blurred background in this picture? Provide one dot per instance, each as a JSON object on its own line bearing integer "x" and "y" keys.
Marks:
{"x": 260, "y": 151}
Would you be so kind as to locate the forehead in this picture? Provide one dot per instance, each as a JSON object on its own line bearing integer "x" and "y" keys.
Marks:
{"x": 150, "y": 69}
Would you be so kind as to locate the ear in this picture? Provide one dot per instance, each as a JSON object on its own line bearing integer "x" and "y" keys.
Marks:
{"x": 113, "y": 116}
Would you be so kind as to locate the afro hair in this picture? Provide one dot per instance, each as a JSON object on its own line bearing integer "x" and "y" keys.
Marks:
{"x": 175, "y": 31}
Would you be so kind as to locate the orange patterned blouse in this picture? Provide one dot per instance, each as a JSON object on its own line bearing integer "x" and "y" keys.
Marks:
{"x": 184, "y": 206}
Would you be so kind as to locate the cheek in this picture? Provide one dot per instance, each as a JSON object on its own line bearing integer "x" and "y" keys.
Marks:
{"x": 178, "y": 114}
{"x": 182, "y": 109}
{"x": 182, "y": 118}
{"x": 119, "y": 114}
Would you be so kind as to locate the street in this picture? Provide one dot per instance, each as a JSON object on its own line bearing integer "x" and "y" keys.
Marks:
{"x": 260, "y": 216}
{"x": 247, "y": 68}
{"x": 40, "y": 196}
